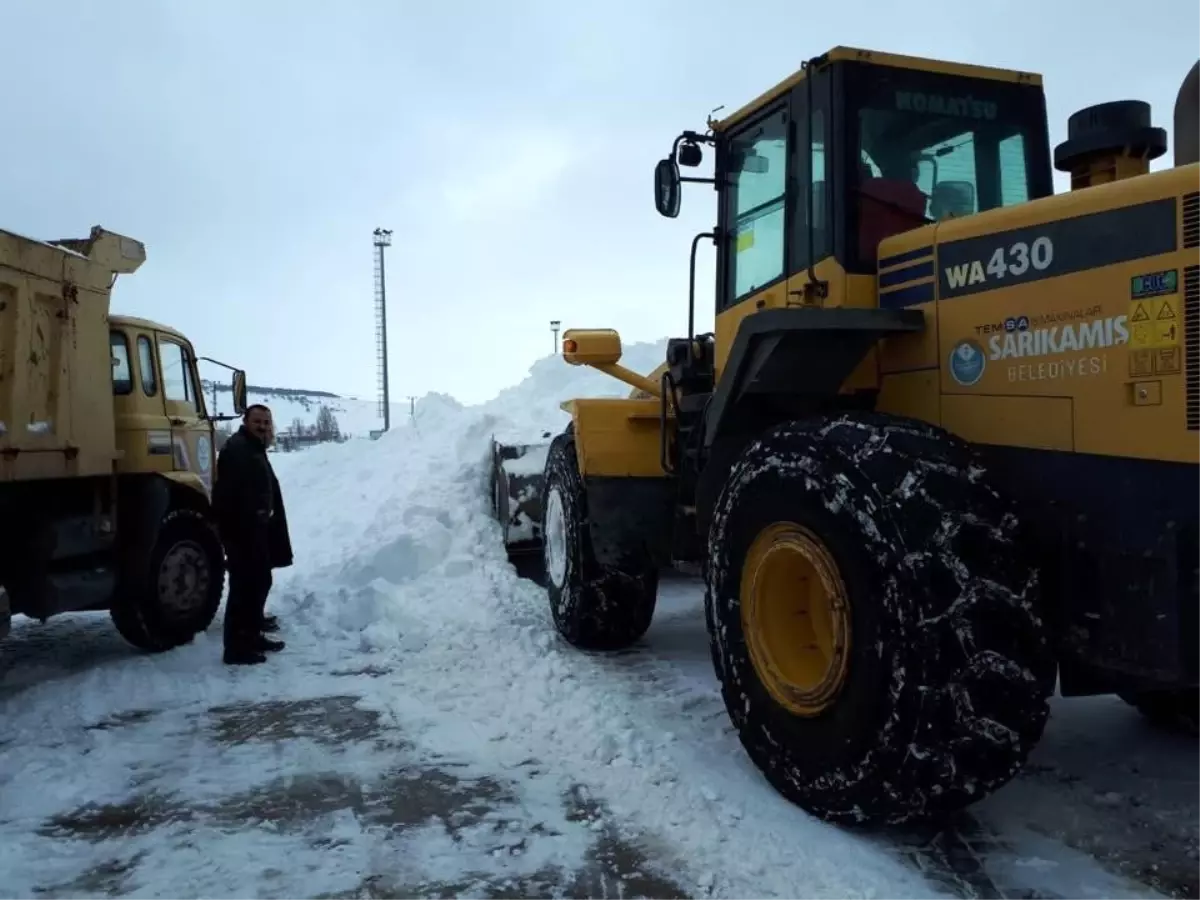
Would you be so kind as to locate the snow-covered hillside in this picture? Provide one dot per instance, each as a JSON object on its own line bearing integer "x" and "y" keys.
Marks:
{"x": 355, "y": 417}
{"x": 425, "y": 733}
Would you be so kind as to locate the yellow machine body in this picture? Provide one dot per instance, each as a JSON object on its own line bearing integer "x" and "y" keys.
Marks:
{"x": 940, "y": 453}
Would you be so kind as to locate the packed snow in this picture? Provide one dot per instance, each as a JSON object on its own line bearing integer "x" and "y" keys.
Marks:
{"x": 426, "y": 733}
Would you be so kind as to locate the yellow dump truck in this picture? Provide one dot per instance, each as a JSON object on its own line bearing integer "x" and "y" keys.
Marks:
{"x": 106, "y": 449}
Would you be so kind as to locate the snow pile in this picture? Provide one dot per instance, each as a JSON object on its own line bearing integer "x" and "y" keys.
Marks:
{"x": 401, "y": 567}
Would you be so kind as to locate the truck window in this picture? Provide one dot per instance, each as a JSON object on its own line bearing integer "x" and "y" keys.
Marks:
{"x": 122, "y": 375}
{"x": 146, "y": 365}
{"x": 176, "y": 373}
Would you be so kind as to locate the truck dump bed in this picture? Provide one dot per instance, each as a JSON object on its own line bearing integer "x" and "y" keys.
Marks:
{"x": 56, "y": 401}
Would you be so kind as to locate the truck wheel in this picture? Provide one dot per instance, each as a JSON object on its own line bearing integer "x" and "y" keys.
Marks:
{"x": 873, "y": 620}
{"x": 1172, "y": 710}
{"x": 179, "y": 594}
{"x": 595, "y": 607}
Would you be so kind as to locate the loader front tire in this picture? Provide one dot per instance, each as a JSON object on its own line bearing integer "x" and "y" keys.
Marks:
{"x": 873, "y": 619}
{"x": 594, "y": 606}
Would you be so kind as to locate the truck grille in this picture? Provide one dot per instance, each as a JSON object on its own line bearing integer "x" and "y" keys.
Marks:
{"x": 1191, "y": 343}
{"x": 1191, "y": 220}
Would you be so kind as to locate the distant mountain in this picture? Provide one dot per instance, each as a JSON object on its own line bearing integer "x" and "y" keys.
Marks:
{"x": 355, "y": 417}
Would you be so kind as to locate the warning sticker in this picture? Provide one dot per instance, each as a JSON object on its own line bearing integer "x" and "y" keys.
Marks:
{"x": 1141, "y": 363}
{"x": 1166, "y": 361}
{"x": 1153, "y": 324}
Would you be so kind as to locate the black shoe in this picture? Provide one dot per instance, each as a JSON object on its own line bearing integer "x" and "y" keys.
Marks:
{"x": 243, "y": 658}
{"x": 268, "y": 645}
{"x": 269, "y": 623}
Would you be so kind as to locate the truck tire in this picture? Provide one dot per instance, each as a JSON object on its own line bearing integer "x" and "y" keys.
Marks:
{"x": 1172, "y": 710}
{"x": 873, "y": 619}
{"x": 179, "y": 593}
{"x": 595, "y": 607}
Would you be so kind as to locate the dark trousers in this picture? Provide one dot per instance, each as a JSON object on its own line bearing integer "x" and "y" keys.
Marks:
{"x": 246, "y": 606}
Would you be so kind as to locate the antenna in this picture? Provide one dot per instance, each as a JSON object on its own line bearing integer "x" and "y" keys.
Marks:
{"x": 383, "y": 239}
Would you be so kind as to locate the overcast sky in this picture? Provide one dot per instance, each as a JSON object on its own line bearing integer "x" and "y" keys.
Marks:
{"x": 254, "y": 146}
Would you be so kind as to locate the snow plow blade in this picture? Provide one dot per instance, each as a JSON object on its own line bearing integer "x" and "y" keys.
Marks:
{"x": 517, "y": 494}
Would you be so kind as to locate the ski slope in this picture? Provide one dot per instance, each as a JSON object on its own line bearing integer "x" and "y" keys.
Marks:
{"x": 425, "y": 733}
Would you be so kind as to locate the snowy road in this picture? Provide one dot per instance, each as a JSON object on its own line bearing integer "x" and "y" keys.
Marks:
{"x": 425, "y": 734}
{"x": 172, "y": 776}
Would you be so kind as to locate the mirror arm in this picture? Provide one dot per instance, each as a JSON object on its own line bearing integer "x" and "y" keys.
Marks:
{"x": 217, "y": 362}
{"x": 700, "y": 180}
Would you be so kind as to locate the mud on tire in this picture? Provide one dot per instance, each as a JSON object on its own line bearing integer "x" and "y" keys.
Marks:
{"x": 178, "y": 594}
{"x": 949, "y": 667}
{"x": 595, "y": 607}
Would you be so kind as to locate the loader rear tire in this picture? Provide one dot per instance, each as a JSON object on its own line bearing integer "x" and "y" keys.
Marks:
{"x": 916, "y": 680}
{"x": 594, "y": 606}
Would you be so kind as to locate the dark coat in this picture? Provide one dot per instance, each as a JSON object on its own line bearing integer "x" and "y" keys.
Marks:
{"x": 249, "y": 505}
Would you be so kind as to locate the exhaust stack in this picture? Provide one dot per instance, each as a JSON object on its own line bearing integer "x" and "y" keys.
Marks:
{"x": 1109, "y": 142}
{"x": 1187, "y": 119}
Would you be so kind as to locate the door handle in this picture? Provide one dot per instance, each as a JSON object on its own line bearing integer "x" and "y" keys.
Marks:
{"x": 178, "y": 422}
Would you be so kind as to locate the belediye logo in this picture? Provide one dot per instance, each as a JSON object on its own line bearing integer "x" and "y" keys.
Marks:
{"x": 967, "y": 362}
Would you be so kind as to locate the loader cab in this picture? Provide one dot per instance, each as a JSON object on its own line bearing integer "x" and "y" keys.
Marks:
{"x": 853, "y": 149}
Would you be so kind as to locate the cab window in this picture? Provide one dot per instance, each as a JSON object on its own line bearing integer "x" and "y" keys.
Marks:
{"x": 177, "y": 381}
{"x": 122, "y": 375}
{"x": 757, "y": 174}
{"x": 931, "y": 148}
{"x": 146, "y": 366}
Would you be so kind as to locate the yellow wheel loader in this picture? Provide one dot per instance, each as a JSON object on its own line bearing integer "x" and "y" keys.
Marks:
{"x": 941, "y": 448}
{"x": 107, "y": 456}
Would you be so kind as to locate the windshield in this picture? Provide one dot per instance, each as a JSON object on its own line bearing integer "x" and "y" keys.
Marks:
{"x": 931, "y": 147}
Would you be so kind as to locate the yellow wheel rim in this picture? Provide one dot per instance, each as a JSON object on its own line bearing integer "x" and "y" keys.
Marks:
{"x": 795, "y": 618}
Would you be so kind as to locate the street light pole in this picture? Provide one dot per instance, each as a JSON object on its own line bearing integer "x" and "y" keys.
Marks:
{"x": 383, "y": 239}
{"x": 554, "y": 324}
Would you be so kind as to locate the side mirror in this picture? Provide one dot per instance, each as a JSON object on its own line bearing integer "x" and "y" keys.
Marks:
{"x": 666, "y": 188}
{"x": 239, "y": 392}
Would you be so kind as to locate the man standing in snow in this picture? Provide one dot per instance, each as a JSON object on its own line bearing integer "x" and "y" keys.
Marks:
{"x": 250, "y": 515}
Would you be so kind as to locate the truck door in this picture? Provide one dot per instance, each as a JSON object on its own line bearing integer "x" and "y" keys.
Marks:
{"x": 191, "y": 432}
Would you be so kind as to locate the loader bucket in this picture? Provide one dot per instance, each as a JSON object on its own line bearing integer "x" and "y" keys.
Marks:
{"x": 517, "y": 493}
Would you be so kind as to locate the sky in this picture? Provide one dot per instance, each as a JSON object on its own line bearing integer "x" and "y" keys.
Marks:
{"x": 255, "y": 146}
